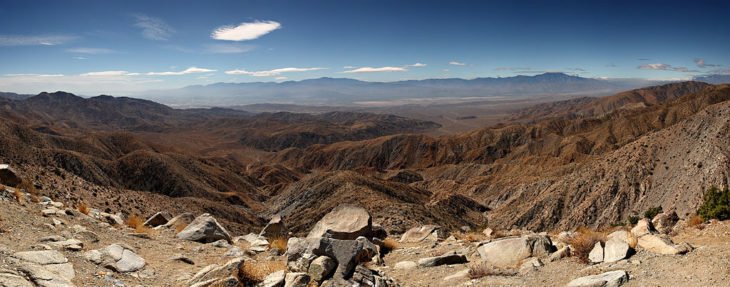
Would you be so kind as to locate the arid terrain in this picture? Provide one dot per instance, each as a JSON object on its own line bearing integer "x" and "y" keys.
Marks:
{"x": 557, "y": 166}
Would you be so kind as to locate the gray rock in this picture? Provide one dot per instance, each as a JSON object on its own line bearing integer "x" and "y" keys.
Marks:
{"x": 43, "y": 277}
{"x": 660, "y": 245}
{"x": 275, "y": 228}
{"x": 117, "y": 257}
{"x": 615, "y": 250}
{"x": 344, "y": 222}
{"x": 643, "y": 227}
{"x": 157, "y": 219}
{"x": 182, "y": 258}
{"x": 508, "y": 252}
{"x": 296, "y": 279}
{"x": 608, "y": 279}
{"x": 406, "y": 265}
{"x": 275, "y": 279}
{"x": 460, "y": 275}
{"x": 182, "y": 219}
{"x": 560, "y": 254}
{"x": 204, "y": 229}
{"x": 596, "y": 254}
{"x": 321, "y": 268}
{"x": 14, "y": 280}
{"x": 421, "y": 233}
{"x": 665, "y": 221}
{"x": 214, "y": 272}
{"x": 43, "y": 257}
{"x": 446, "y": 259}
{"x": 347, "y": 253}
{"x": 530, "y": 264}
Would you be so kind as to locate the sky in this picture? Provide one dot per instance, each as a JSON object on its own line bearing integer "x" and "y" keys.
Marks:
{"x": 126, "y": 47}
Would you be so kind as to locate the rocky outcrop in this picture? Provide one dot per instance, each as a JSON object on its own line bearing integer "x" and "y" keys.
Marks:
{"x": 117, "y": 257}
{"x": 445, "y": 259}
{"x": 421, "y": 233}
{"x": 43, "y": 268}
{"x": 660, "y": 245}
{"x": 345, "y": 222}
{"x": 665, "y": 221}
{"x": 608, "y": 279}
{"x": 347, "y": 253}
{"x": 508, "y": 252}
{"x": 204, "y": 229}
{"x": 275, "y": 228}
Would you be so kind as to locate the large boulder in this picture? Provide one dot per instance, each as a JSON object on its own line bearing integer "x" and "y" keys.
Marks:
{"x": 665, "y": 221}
{"x": 296, "y": 279}
{"x": 508, "y": 252}
{"x": 117, "y": 257}
{"x": 660, "y": 245}
{"x": 615, "y": 250}
{"x": 596, "y": 254}
{"x": 204, "y": 229}
{"x": 8, "y": 176}
{"x": 608, "y": 279}
{"x": 421, "y": 233}
{"x": 643, "y": 227}
{"x": 157, "y": 219}
{"x": 345, "y": 222}
{"x": 347, "y": 253}
{"x": 275, "y": 228}
{"x": 446, "y": 259}
{"x": 214, "y": 272}
{"x": 45, "y": 268}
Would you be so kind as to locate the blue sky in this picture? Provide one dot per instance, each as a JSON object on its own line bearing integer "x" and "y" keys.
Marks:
{"x": 123, "y": 47}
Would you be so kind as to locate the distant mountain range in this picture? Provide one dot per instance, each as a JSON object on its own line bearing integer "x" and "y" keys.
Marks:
{"x": 346, "y": 92}
{"x": 714, "y": 79}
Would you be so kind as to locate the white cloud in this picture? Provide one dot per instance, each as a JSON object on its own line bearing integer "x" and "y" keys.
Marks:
{"x": 153, "y": 28}
{"x": 245, "y": 31}
{"x": 33, "y": 75}
{"x": 280, "y": 78}
{"x": 93, "y": 51}
{"x": 80, "y": 58}
{"x": 191, "y": 70}
{"x": 702, "y": 64}
{"x": 10, "y": 40}
{"x": 271, "y": 73}
{"x": 457, "y": 63}
{"x": 107, "y": 74}
{"x": 417, "y": 65}
{"x": 228, "y": 48}
{"x": 665, "y": 67}
{"x": 376, "y": 70}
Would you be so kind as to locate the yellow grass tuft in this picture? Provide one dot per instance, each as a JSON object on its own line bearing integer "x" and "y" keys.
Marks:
{"x": 583, "y": 242}
{"x": 19, "y": 196}
{"x": 278, "y": 243}
{"x": 471, "y": 236}
{"x": 83, "y": 208}
{"x": 255, "y": 271}
{"x": 137, "y": 223}
{"x": 30, "y": 189}
{"x": 695, "y": 221}
{"x": 179, "y": 227}
{"x": 483, "y": 269}
{"x": 391, "y": 244}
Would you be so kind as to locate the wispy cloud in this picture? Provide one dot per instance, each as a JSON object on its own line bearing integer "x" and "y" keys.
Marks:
{"x": 228, "y": 48}
{"x": 109, "y": 74}
{"x": 354, "y": 70}
{"x": 191, "y": 70}
{"x": 153, "y": 28}
{"x": 91, "y": 51}
{"x": 245, "y": 31}
{"x": 16, "y": 40}
{"x": 702, "y": 64}
{"x": 271, "y": 73}
{"x": 457, "y": 63}
{"x": 665, "y": 67}
{"x": 80, "y": 58}
{"x": 376, "y": 70}
{"x": 33, "y": 75}
{"x": 512, "y": 68}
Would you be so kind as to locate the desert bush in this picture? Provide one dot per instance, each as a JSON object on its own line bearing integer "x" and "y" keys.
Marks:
{"x": 695, "y": 221}
{"x": 390, "y": 244}
{"x": 716, "y": 204}
{"x": 83, "y": 208}
{"x": 583, "y": 242}
{"x": 19, "y": 196}
{"x": 483, "y": 269}
{"x": 633, "y": 220}
{"x": 652, "y": 211}
{"x": 255, "y": 271}
{"x": 137, "y": 223}
{"x": 471, "y": 236}
{"x": 30, "y": 189}
{"x": 278, "y": 243}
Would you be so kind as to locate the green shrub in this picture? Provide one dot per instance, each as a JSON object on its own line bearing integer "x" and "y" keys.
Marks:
{"x": 716, "y": 205}
{"x": 633, "y": 220}
{"x": 653, "y": 211}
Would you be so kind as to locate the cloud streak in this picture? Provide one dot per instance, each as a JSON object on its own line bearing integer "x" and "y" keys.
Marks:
{"x": 272, "y": 73}
{"x": 702, "y": 64}
{"x": 53, "y": 40}
{"x": 245, "y": 31}
{"x": 191, "y": 70}
{"x": 109, "y": 74}
{"x": 354, "y": 70}
{"x": 90, "y": 51}
{"x": 228, "y": 48}
{"x": 665, "y": 67}
{"x": 457, "y": 63}
{"x": 153, "y": 28}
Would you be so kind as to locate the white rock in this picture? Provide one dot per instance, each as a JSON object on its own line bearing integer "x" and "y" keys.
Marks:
{"x": 608, "y": 279}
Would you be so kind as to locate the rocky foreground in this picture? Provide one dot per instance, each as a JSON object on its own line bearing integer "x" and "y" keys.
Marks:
{"x": 47, "y": 243}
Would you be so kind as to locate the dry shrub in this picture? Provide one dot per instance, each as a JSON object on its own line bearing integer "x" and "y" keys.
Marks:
{"x": 483, "y": 269}
{"x": 278, "y": 243}
{"x": 390, "y": 244}
{"x": 30, "y": 189}
{"x": 83, "y": 208}
{"x": 255, "y": 271}
{"x": 137, "y": 223}
{"x": 583, "y": 242}
{"x": 695, "y": 221}
{"x": 632, "y": 240}
{"x": 19, "y": 196}
{"x": 471, "y": 236}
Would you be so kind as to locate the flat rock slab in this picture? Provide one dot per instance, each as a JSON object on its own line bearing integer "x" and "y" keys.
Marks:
{"x": 43, "y": 257}
{"x": 509, "y": 252}
{"x": 615, "y": 250}
{"x": 608, "y": 279}
{"x": 418, "y": 234}
{"x": 344, "y": 222}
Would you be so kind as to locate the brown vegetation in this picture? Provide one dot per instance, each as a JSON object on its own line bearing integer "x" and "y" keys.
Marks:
{"x": 583, "y": 241}
{"x": 137, "y": 223}
{"x": 483, "y": 269}
{"x": 695, "y": 221}
{"x": 390, "y": 244}
{"x": 30, "y": 189}
{"x": 83, "y": 208}
{"x": 255, "y": 271}
{"x": 19, "y": 196}
{"x": 278, "y": 243}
